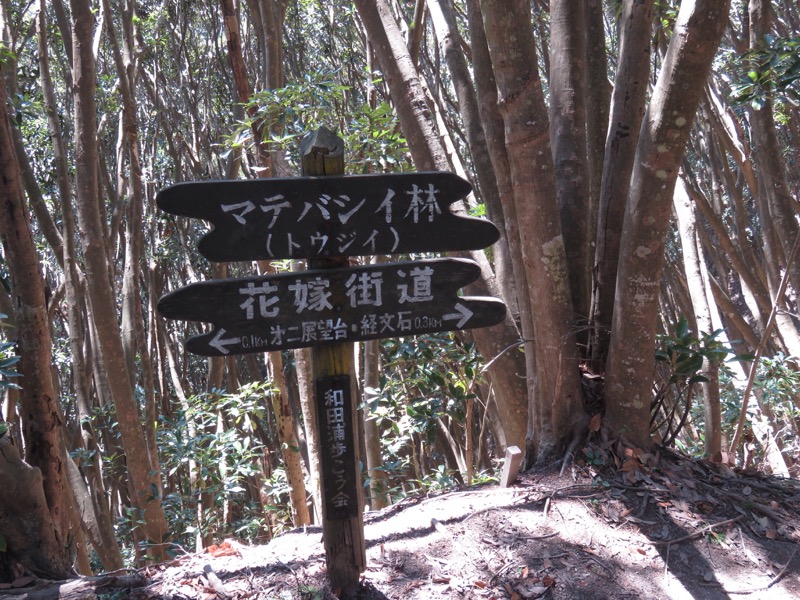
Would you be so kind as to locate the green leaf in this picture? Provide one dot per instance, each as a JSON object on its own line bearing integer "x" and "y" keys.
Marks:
{"x": 7, "y": 362}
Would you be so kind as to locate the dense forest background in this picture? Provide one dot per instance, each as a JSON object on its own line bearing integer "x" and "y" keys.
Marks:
{"x": 640, "y": 158}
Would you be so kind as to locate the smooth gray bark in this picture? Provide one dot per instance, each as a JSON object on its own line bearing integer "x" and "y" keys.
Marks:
{"x": 662, "y": 143}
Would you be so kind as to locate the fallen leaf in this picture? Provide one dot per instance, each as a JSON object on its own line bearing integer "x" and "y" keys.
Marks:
{"x": 533, "y": 591}
{"x": 441, "y": 580}
{"x": 479, "y": 584}
{"x": 630, "y": 465}
{"x": 771, "y": 534}
{"x": 549, "y": 581}
{"x": 594, "y": 424}
{"x": 647, "y": 458}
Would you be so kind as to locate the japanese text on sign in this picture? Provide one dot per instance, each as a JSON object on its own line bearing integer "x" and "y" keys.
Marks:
{"x": 309, "y": 296}
{"x": 335, "y": 416}
{"x": 415, "y": 205}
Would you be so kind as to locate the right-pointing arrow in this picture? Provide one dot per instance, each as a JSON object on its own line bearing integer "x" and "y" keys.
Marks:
{"x": 219, "y": 344}
{"x": 463, "y": 314}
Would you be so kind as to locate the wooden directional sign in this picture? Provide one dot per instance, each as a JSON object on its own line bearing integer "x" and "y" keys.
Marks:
{"x": 317, "y": 217}
{"x": 319, "y": 307}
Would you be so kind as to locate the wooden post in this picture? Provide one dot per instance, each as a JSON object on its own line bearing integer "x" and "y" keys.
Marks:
{"x": 511, "y": 466}
{"x": 322, "y": 153}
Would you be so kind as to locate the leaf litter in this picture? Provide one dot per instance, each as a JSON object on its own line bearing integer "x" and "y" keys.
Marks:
{"x": 620, "y": 523}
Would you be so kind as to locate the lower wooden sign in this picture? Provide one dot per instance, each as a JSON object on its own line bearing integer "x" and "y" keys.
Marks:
{"x": 335, "y": 420}
{"x": 320, "y": 307}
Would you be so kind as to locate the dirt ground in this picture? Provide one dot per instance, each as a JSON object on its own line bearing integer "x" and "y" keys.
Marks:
{"x": 636, "y": 526}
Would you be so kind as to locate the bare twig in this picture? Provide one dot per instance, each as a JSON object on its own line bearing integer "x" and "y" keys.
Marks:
{"x": 503, "y": 351}
{"x": 783, "y": 570}
{"x": 772, "y": 581}
{"x": 697, "y": 533}
{"x": 764, "y": 338}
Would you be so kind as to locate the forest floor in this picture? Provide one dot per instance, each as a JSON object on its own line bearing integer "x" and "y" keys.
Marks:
{"x": 634, "y": 525}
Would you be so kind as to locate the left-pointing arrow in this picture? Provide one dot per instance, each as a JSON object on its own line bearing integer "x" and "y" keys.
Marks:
{"x": 219, "y": 344}
{"x": 463, "y": 313}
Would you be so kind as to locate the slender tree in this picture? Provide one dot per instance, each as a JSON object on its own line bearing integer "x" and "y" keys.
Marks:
{"x": 555, "y": 405}
{"x": 659, "y": 152}
{"x": 627, "y": 109}
{"x": 144, "y": 483}
{"x": 421, "y": 133}
{"x": 40, "y": 535}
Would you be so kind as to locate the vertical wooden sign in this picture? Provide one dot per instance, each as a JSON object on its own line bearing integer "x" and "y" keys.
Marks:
{"x": 322, "y": 153}
{"x": 337, "y": 446}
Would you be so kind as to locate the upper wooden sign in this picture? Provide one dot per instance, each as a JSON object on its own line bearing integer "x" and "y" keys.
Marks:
{"x": 318, "y": 217}
{"x": 324, "y": 306}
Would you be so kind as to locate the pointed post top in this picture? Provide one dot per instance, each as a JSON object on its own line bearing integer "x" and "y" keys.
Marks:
{"x": 322, "y": 153}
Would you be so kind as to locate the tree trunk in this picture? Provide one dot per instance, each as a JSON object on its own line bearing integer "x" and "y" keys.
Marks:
{"x": 144, "y": 483}
{"x": 378, "y": 478}
{"x": 290, "y": 447}
{"x": 627, "y": 109}
{"x": 520, "y": 305}
{"x": 429, "y": 155}
{"x": 103, "y": 538}
{"x": 305, "y": 386}
{"x": 568, "y": 138}
{"x": 659, "y": 152}
{"x": 598, "y": 99}
{"x": 25, "y": 521}
{"x": 444, "y": 23}
{"x": 48, "y": 522}
{"x": 774, "y": 200}
{"x": 692, "y": 258}
{"x": 280, "y": 402}
{"x": 555, "y": 410}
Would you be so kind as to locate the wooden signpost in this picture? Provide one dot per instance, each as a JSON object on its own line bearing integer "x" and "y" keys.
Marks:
{"x": 325, "y": 217}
